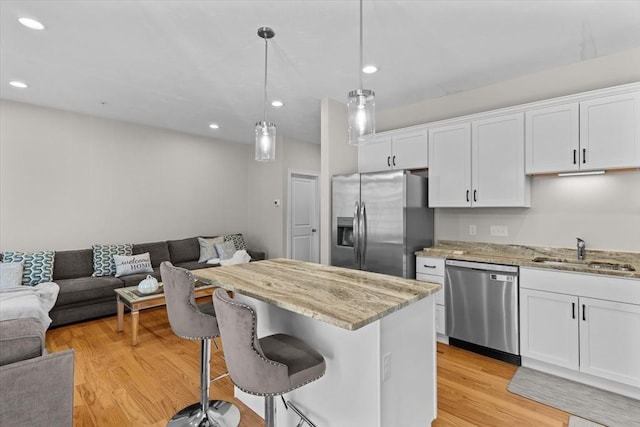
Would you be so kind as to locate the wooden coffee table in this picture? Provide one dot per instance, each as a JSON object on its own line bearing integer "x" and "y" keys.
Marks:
{"x": 136, "y": 302}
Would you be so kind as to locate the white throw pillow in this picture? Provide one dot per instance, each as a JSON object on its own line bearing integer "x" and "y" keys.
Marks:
{"x": 11, "y": 274}
{"x": 126, "y": 265}
{"x": 239, "y": 257}
{"x": 208, "y": 248}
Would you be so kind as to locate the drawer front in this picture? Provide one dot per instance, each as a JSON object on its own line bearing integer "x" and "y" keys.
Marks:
{"x": 440, "y": 316}
{"x": 434, "y": 266}
{"x": 433, "y": 279}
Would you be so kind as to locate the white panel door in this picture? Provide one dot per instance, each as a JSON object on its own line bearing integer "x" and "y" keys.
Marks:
{"x": 375, "y": 156}
{"x": 409, "y": 150}
{"x": 303, "y": 219}
{"x": 549, "y": 327}
{"x": 497, "y": 176}
{"x": 450, "y": 166}
{"x": 610, "y": 132}
{"x": 552, "y": 139}
{"x": 610, "y": 340}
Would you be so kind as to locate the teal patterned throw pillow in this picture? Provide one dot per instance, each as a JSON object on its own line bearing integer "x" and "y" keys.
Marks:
{"x": 103, "y": 264}
{"x": 38, "y": 266}
{"x": 237, "y": 239}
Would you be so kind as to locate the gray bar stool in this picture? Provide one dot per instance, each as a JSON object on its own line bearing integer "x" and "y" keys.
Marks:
{"x": 269, "y": 366}
{"x": 195, "y": 322}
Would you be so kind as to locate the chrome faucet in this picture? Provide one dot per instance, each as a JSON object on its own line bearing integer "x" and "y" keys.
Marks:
{"x": 581, "y": 248}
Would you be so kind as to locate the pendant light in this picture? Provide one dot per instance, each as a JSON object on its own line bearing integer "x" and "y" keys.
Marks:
{"x": 265, "y": 131}
{"x": 361, "y": 107}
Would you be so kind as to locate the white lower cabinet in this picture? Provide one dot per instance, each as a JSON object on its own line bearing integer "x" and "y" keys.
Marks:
{"x": 549, "y": 327}
{"x": 430, "y": 269}
{"x": 582, "y": 322}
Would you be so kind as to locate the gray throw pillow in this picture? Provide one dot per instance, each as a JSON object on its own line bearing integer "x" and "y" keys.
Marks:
{"x": 208, "y": 248}
{"x": 226, "y": 249}
{"x": 11, "y": 274}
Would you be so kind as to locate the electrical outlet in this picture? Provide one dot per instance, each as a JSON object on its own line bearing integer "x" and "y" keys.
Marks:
{"x": 472, "y": 230}
{"x": 499, "y": 230}
{"x": 386, "y": 366}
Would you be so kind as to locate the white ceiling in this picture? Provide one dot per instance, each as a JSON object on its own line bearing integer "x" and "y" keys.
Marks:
{"x": 184, "y": 64}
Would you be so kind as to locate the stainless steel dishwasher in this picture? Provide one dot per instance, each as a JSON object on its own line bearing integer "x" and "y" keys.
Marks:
{"x": 482, "y": 308}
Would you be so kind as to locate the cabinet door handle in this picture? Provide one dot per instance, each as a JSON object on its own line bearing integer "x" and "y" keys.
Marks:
{"x": 584, "y": 155}
{"x": 389, "y": 161}
{"x": 394, "y": 160}
{"x": 429, "y": 266}
{"x": 573, "y": 310}
{"x": 575, "y": 153}
{"x": 467, "y": 195}
{"x": 475, "y": 195}
{"x": 584, "y": 313}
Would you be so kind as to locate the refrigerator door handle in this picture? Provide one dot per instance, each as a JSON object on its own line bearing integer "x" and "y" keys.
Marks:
{"x": 356, "y": 233}
{"x": 363, "y": 231}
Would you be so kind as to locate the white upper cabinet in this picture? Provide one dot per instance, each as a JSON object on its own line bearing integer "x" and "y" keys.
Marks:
{"x": 450, "y": 166}
{"x": 478, "y": 163}
{"x": 610, "y": 132}
{"x": 401, "y": 149}
{"x": 552, "y": 142}
{"x": 375, "y": 156}
{"x": 599, "y": 133}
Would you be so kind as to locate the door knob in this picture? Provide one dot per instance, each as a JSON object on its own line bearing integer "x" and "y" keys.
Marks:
{"x": 313, "y": 230}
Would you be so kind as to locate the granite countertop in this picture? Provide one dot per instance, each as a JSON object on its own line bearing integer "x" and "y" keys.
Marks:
{"x": 524, "y": 256}
{"x": 346, "y": 298}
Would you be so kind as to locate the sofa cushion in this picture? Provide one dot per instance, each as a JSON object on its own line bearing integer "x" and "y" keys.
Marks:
{"x": 135, "y": 279}
{"x": 134, "y": 264}
{"x": 87, "y": 289}
{"x": 184, "y": 250}
{"x": 20, "y": 339}
{"x": 103, "y": 264}
{"x": 38, "y": 266}
{"x": 158, "y": 251}
{"x": 73, "y": 264}
{"x": 226, "y": 249}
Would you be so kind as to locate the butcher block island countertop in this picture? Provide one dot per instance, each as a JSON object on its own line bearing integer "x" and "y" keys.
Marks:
{"x": 349, "y": 299}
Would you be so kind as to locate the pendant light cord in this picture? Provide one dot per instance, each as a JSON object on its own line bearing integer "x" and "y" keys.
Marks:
{"x": 360, "y": 69}
{"x": 265, "y": 79}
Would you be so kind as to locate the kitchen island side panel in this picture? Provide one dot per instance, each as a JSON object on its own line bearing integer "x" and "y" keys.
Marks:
{"x": 353, "y": 391}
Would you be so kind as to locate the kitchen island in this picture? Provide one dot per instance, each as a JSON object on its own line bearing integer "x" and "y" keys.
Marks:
{"x": 376, "y": 332}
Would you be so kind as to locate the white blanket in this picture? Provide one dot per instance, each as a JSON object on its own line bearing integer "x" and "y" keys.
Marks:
{"x": 29, "y": 301}
{"x": 239, "y": 257}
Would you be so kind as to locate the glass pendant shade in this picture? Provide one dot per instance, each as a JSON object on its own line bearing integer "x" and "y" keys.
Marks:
{"x": 361, "y": 116}
{"x": 265, "y": 141}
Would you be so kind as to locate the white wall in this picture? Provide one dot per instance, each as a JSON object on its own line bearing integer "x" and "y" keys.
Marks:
{"x": 266, "y": 227}
{"x": 337, "y": 157}
{"x": 68, "y": 181}
{"x": 604, "y": 210}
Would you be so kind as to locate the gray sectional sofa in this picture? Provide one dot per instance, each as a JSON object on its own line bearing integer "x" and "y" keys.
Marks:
{"x": 83, "y": 297}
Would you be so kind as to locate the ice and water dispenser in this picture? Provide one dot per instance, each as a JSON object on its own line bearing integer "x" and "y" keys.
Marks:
{"x": 345, "y": 231}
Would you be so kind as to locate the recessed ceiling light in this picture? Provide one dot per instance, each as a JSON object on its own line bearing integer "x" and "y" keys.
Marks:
{"x": 369, "y": 69}
{"x": 277, "y": 103}
{"x": 214, "y": 126}
{"x": 18, "y": 84}
{"x": 31, "y": 23}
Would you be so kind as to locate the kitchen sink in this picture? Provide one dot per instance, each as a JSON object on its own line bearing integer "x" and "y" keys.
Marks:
{"x": 599, "y": 265}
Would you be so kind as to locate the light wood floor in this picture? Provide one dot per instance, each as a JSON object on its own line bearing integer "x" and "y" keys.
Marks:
{"x": 120, "y": 385}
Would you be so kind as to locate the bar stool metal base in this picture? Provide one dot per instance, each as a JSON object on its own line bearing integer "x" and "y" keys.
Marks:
{"x": 221, "y": 414}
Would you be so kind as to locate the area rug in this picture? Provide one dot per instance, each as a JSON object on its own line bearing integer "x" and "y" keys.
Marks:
{"x": 590, "y": 403}
{"x": 581, "y": 422}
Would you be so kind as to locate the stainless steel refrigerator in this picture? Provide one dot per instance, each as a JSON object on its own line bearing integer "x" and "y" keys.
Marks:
{"x": 379, "y": 220}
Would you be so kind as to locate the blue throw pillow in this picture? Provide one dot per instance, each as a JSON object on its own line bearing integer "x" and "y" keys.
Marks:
{"x": 38, "y": 266}
{"x": 103, "y": 264}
